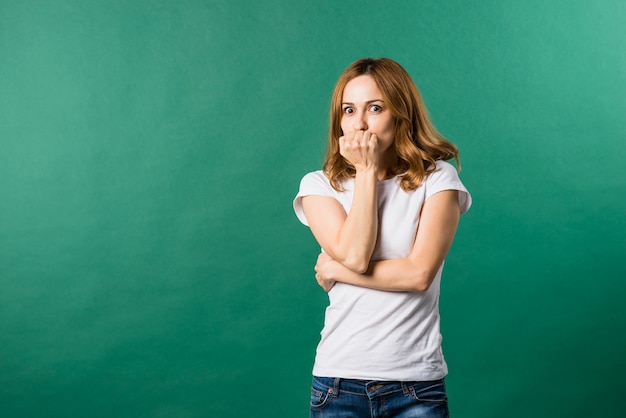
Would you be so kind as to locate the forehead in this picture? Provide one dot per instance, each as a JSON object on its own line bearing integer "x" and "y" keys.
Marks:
{"x": 361, "y": 89}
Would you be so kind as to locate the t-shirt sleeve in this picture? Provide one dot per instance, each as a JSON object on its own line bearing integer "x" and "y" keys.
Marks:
{"x": 312, "y": 184}
{"x": 445, "y": 177}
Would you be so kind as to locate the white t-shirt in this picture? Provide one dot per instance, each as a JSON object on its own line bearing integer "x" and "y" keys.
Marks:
{"x": 382, "y": 335}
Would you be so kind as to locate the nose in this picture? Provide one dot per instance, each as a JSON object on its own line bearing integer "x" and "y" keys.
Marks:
{"x": 360, "y": 122}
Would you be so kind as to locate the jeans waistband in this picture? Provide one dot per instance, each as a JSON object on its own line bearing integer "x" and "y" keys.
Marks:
{"x": 368, "y": 388}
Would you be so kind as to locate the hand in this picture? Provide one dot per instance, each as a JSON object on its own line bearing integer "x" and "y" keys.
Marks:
{"x": 323, "y": 271}
{"x": 360, "y": 148}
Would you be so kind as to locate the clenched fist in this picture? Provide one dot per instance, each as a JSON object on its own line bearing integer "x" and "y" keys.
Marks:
{"x": 360, "y": 148}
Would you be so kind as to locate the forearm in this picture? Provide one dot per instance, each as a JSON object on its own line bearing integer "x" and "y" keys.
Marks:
{"x": 400, "y": 274}
{"x": 357, "y": 237}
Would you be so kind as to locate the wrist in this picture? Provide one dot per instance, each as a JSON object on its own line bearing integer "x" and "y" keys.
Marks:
{"x": 366, "y": 171}
{"x": 332, "y": 269}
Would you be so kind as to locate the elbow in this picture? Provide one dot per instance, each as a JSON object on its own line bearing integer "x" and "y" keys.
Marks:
{"x": 360, "y": 268}
{"x": 357, "y": 265}
{"x": 420, "y": 286}
{"x": 421, "y": 281}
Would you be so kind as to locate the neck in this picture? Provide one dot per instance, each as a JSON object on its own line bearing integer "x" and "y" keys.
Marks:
{"x": 387, "y": 160}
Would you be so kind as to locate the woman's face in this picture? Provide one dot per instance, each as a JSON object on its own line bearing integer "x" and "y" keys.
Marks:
{"x": 363, "y": 109}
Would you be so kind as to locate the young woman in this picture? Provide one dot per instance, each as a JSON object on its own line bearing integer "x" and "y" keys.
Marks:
{"x": 384, "y": 209}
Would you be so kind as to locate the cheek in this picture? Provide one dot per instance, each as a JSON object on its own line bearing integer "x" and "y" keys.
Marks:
{"x": 345, "y": 127}
{"x": 386, "y": 129}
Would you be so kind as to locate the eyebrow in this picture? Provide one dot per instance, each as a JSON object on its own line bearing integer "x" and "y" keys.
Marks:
{"x": 368, "y": 102}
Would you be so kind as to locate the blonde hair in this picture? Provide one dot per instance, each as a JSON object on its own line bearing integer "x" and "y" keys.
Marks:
{"x": 417, "y": 143}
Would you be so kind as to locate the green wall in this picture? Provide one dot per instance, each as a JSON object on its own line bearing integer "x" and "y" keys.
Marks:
{"x": 150, "y": 261}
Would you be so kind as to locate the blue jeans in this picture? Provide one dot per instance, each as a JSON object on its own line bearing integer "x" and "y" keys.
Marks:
{"x": 348, "y": 398}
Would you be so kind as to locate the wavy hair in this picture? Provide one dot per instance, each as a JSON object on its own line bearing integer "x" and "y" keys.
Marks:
{"x": 417, "y": 143}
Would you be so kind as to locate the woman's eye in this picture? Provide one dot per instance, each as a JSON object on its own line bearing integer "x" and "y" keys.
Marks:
{"x": 376, "y": 108}
{"x": 348, "y": 110}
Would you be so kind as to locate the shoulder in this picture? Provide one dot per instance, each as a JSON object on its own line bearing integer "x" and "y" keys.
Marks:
{"x": 314, "y": 181}
{"x": 317, "y": 175}
{"x": 444, "y": 169}
{"x": 446, "y": 177}
{"x": 444, "y": 173}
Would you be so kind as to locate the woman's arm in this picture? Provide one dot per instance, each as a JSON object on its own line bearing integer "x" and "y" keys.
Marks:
{"x": 349, "y": 238}
{"x": 438, "y": 223}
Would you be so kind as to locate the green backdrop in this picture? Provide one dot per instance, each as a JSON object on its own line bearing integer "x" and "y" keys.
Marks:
{"x": 150, "y": 261}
